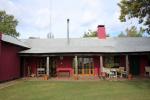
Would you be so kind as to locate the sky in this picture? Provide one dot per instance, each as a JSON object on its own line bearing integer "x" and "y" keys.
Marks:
{"x": 37, "y": 18}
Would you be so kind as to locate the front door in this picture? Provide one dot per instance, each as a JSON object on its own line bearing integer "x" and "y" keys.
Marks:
{"x": 85, "y": 66}
{"x": 52, "y": 67}
{"x": 134, "y": 64}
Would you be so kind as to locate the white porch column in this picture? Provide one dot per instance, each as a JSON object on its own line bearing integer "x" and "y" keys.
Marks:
{"x": 101, "y": 63}
{"x": 127, "y": 64}
{"x": 47, "y": 66}
{"x": 76, "y": 65}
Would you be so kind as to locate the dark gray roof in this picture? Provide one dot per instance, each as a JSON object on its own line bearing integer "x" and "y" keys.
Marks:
{"x": 13, "y": 40}
{"x": 95, "y": 45}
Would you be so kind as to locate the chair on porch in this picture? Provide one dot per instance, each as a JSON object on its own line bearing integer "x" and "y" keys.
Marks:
{"x": 123, "y": 72}
{"x": 41, "y": 71}
{"x": 110, "y": 72}
{"x": 147, "y": 70}
{"x": 105, "y": 70}
{"x": 113, "y": 73}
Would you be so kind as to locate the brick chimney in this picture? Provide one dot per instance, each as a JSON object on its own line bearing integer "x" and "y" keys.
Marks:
{"x": 101, "y": 33}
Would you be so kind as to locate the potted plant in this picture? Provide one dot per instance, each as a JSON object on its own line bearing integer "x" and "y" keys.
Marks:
{"x": 130, "y": 77}
{"x": 75, "y": 77}
{"x": 46, "y": 77}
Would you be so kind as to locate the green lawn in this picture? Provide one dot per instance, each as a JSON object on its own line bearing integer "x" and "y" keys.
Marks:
{"x": 77, "y": 90}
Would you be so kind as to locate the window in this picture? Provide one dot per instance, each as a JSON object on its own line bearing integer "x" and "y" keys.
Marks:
{"x": 111, "y": 61}
{"x": 41, "y": 63}
{"x": 85, "y": 65}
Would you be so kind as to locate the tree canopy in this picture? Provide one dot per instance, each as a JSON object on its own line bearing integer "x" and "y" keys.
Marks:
{"x": 91, "y": 33}
{"x": 8, "y": 24}
{"x": 132, "y": 32}
{"x": 139, "y": 9}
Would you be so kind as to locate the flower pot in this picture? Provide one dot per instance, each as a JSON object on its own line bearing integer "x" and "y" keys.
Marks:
{"x": 130, "y": 77}
{"x": 46, "y": 77}
{"x": 75, "y": 77}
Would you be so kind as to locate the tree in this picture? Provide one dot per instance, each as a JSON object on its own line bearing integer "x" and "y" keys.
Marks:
{"x": 91, "y": 33}
{"x": 8, "y": 24}
{"x": 132, "y": 32}
{"x": 139, "y": 9}
{"x": 121, "y": 35}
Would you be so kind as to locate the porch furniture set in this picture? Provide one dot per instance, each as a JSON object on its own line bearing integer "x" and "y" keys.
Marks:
{"x": 114, "y": 72}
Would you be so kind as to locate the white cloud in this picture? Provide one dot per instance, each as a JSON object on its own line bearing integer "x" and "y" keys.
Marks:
{"x": 34, "y": 16}
{"x": 43, "y": 19}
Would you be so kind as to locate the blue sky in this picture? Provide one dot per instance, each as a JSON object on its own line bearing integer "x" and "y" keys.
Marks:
{"x": 34, "y": 16}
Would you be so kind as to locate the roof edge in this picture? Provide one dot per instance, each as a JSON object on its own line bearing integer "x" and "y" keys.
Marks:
{"x": 13, "y": 40}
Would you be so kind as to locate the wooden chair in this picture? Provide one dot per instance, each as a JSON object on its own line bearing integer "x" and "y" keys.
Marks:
{"x": 106, "y": 71}
{"x": 41, "y": 71}
{"x": 147, "y": 70}
{"x": 122, "y": 72}
{"x": 110, "y": 71}
{"x": 113, "y": 73}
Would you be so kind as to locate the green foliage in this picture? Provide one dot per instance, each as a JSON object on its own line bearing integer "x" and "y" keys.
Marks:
{"x": 8, "y": 24}
{"x": 91, "y": 33}
{"x": 121, "y": 35}
{"x": 132, "y": 32}
{"x": 139, "y": 9}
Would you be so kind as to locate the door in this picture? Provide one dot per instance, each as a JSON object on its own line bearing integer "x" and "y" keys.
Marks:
{"x": 134, "y": 64}
{"x": 52, "y": 67}
{"x": 85, "y": 66}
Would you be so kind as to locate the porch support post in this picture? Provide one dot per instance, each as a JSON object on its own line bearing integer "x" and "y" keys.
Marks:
{"x": 127, "y": 64}
{"x": 101, "y": 63}
{"x": 76, "y": 65}
{"x": 47, "y": 66}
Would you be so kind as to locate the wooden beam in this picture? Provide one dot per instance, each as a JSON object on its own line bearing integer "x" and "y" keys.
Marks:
{"x": 76, "y": 65}
{"x": 101, "y": 63}
{"x": 127, "y": 64}
{"x": 47, "y": 65}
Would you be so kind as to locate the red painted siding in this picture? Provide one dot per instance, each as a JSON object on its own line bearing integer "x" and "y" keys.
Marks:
{"x": 96, "y": 65}
{"x": 10, "y": 62}
{"x": 0, "y": 51}
{"x": 65, "y": 64}
{"x": 31, "y": 62}
{"x": 143, "y": 63}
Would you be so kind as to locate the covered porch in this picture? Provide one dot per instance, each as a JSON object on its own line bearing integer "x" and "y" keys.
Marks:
{"x": 68, "y": 65}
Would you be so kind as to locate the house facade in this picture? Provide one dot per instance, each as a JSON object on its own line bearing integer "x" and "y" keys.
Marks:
{"x": 81, "y": 56}
{"x": 9, "y": 57}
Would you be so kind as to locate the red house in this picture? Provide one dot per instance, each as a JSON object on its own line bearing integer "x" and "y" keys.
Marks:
{"x": 9, "y": 57}
{"x": 82, "y": 56}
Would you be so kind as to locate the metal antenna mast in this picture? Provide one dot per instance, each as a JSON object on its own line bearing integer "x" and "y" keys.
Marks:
{"x": 51, "y": 16}
{"x": 50, "y": 35}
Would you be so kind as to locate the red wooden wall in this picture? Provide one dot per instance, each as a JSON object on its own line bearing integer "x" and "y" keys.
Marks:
{"x": 65, "y": 64}
{"x": 96, "y": 65}
{"x": 9, "y": 61}
{"x": 143, "y": 63}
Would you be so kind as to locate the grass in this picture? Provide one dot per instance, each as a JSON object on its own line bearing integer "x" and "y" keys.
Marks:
{"x": 77, "y": 90}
